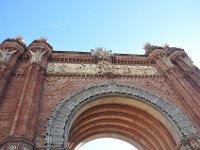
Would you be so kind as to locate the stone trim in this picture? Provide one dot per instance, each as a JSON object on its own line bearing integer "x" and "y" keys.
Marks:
{"x": 100, "y": 69}
{"x": 57, "y": 128}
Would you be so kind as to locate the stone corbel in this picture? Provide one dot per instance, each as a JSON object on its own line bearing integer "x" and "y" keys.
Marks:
{"x": 36, "y": 57}
{"x": 167, "y": 61}
{"x": 39, "y": 51}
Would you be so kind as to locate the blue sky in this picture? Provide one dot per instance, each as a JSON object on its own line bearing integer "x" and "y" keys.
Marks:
{"x": 107, "y": 144}
{"x": 122, "y": 26}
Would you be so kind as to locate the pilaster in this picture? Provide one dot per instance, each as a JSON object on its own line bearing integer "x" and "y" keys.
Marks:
{"x": 10, "y": 50}
{"x": 176, "y": 79}
{"x": 184, "y": 62}
{"x": 25, "y": 119}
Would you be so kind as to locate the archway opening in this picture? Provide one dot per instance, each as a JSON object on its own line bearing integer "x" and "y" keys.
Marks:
{"x": 106, "y": 144}
{"x": 122, "y": 118}
{"x": 122, "y": 112}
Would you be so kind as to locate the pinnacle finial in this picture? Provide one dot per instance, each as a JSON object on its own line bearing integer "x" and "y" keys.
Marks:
{"x": 43, "y": 38}
{"x": 20, "y": 39}
{"x": 166, "y": 46}
{"x": 147, "y": 46}
{"x": 101, "y": 53}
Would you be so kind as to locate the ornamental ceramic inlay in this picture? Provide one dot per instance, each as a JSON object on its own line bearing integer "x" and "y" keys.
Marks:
{"x": 101, "y": 68}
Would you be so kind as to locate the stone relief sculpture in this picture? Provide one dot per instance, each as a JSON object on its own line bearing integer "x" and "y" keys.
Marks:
{"x": 168, "y": 62}
{"x": 5, "y": 55}
{"x": 37, "y": 56}
{"x": 100, "y": 68}
{"x": 101, "y": 53}
{"x": 188, "y": 61}
{"x": 105, "y": 67}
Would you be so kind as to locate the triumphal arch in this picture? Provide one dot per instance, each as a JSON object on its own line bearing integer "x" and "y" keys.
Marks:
{"x": 58, "y": 100}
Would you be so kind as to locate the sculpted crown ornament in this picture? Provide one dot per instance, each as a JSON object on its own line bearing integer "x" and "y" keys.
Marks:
{"x": 101, "y": 53}
{"x": 149, "y": 48}
{"x": 20, "y": 39}
{"x": 43, "y": 38}
{"x": 166, "y": 46}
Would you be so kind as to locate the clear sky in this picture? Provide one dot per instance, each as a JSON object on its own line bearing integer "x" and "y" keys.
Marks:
{"x": 122, "y": 26}
{"x": 107, "y": 144}
{"x": 119, "y": 25}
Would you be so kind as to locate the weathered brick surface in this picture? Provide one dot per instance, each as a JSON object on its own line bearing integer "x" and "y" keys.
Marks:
{"x": 31, "y": 95}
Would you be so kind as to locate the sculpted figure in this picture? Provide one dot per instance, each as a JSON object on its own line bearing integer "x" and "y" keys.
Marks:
{"x": 37, "y": 56}
{"x": 5, "y": 55}
{"x": 168, "y": 61}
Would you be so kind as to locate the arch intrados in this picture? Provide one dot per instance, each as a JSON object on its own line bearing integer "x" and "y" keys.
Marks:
{"x": 128, "y": 100}
{"x": 139, "y": 122}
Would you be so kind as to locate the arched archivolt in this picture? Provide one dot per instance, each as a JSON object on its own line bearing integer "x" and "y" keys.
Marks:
{"x": 63, "y": 119}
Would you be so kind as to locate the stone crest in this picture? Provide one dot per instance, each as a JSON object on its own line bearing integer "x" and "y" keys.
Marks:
{"x": 101, "y": 53}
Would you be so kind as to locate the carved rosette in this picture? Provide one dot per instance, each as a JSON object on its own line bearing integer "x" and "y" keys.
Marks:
{"x": 105, "y": 68}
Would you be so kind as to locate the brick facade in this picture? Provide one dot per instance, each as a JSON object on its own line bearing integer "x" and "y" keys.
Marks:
{"x": 31, "y": 88}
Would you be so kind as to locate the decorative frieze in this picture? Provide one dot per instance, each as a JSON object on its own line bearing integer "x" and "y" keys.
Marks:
{"x": 100, "y": 69}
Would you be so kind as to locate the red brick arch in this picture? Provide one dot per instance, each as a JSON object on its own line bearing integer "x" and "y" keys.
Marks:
{"x": 63, "y": 130}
